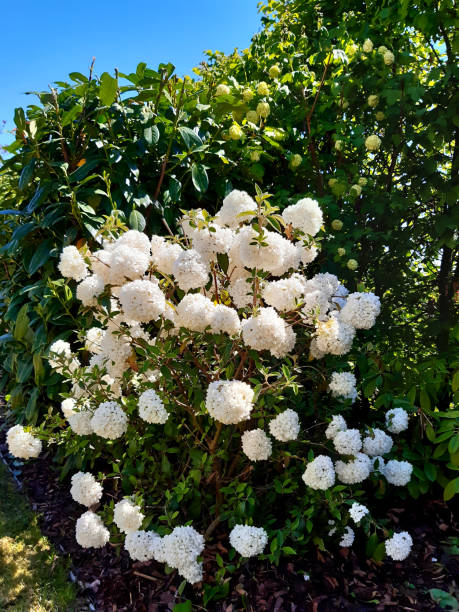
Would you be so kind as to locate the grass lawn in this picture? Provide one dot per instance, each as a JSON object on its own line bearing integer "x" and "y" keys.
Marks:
{"x": 32, "y": 577}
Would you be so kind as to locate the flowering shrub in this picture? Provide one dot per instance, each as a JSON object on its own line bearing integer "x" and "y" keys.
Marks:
{"x": 212, "y": 339}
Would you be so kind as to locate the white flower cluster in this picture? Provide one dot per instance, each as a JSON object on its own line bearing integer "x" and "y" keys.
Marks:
{"x": 109, "y": 421}
{"x": 197, "y": 313}
{"x": 396, "y": 420}
{"x": 22, "y": 444}
{"x": 357, "y": 512}
{"x": 361, "y": 310}
{"x": 248, "y": 541}
{"x": 142, "y": 545}
{"x": 398, "y": 473}
{"x": 256, "y": 445}
{"x": 127, "y": 516}
{"x": 90, "y": 531}
{"x": 229, "y": 401}
{"x": 348, "y": 537}
{"x": 181, "y": 549}
{"x": 71, "y": 264}
{"x": 320, "y": 473}
{"x": 377, "y": 442}
{"x": 85, "y": 489}
{"x": 285, "y": 426}
{"x": 268, "y": 331}
{"x": 151, "y": 407}
{"x": 398, "y": 547}
{"x": 342, "y": 384}
{"x": 305, "y": 215}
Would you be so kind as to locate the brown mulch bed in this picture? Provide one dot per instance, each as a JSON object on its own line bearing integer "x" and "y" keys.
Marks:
{"x": 110, "y": 582}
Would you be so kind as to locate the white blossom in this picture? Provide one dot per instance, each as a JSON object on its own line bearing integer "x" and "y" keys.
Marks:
{"x": 85, "y": 489}
{"x": 71, "y": 264}
{"x": 285, "y": 426}
{"x": 396, "y": 420}
{"x": 398, "y": 473}
{"x": 151, "y": 408}
{"x": 357, "y": 512}
{"x": 284, "y": 294}
{"x": 268, "y": 331}
{"x": 398, "y": 547}
{"x": 142, "y": 300}
{"x": 305, "y": 215}
{"x": 22, "y": 444}
{"x": 352, "y": 472}
{"x": 109, "y": 421}
{"x": 190, "y": 270}
{"x": 141, "y": 545}
{"x": 89, "y": 289}
{"x": 320, "y": 473}
{"x": 181, "y": 549}
{"x": 361, "y": 310}
{"x": 336, "y": 425}
{"x": 342, "y": 384}
{"x": 348, "y": 442}
{"x": 229, "y": 401}
{"x": 127, "y": 516}
{"x": 348, "y": 537}
{"x": 248, "y": 541}
{"x": 234, "y": 207}
{"x": 90, "y": 531}
{"x": 377, "y": 442}
{"x": 256, "y": 445}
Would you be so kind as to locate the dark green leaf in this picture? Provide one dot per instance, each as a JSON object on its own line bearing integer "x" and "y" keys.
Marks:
{"x": 108, "y": 89}
{"x": 200, "y": 178}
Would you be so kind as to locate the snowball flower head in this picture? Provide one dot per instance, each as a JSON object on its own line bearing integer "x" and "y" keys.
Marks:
{"x": 268, "y": 331}
{"x": 377, "y": 442}
{"x": 164, "y": 253}
{"x": 80, "y": 422}
{"x": 109, "y": 421}
{"x": 357, "y": 512}
{"x": 332, "y": 336}
{"x": 263, "y": 89}
{"x": 336, "y": 425}
{"x": 361, "y": 310}
{"x": 225, "y": 320}
{"x": 398, "y": 473}
{"x": 89, "y": 289}
{"x": 388, "y": 58}
{"x": 354, "y": 471}
{"x": 398, "y": 547}
{"x": 142, "y": 300}
{"x": 181, "y": 549}
{"x": 90, "y": 531}
{"x": 342, "y": 384}
{"x": 256, "y": 445}
{"x": 194, "y": 312}
{"x": 85, "y": 489}
{"x": 127, "y": 516}
{"x": 286, "y": 426}
{"x": 305, "y": 215}
{"x": 263, "y": 109}
{"x": 234, "y": 206}
{"x": 190, "y": 270}
{"x": 368, "y": 46}
{"x": 128, "y": 263}
{"x": 151, "y": 408}
{"x": 396, "y": 420}
{"x": 337, "y": 224}
{"x": 284, "y": 294}
{"x": 248, "y": 541}
{"x": 58, "y": 351}
{"x": 373, "y": 100}
{"x": 71, "y": 264}
{"x": 320, "y": 474}
{"x": 222, "y": 90}
{"x": 352, "y": 264}
{"x": 373, "y": 143}
{"x": 22, "y": 444}
{"x": 141, "y": 545}
{"x": 348, "y": 442}
{"x": 68, "y": 407}
{"x": 348, "y": 537}
{"x": 229, "y": 401}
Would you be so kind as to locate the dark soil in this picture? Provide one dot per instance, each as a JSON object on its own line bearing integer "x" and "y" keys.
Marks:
{"x": 110, "y": 582}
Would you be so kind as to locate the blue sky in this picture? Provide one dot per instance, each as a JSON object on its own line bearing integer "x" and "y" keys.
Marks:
{"x": 44, "y": 41}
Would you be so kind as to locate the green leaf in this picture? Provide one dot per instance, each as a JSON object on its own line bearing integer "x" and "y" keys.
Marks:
{"x": 26, "y": 174}
{"x": 36, "y": 199}
{"x": 108, "y": 89}
{"x": 19, "y": 120}
{"x": 137, "y": 221}
{"x": 22, "y": 323}
{"x": 199, "y": 177}
{"x": 430, "y": 471}
{"x": 151, "y": 134}
{"x": 455, "y": 381}
{"x": 453, "y": 445}
{"x": 40, "y": 257}
{"x": 185, "y": 606}
{"x": 451, "y": 489}
{"x": 38, "y": 368}
{"x": 190, "y": 137}
{"x": 424, "y": 400}
{"x": 31, "y": 404}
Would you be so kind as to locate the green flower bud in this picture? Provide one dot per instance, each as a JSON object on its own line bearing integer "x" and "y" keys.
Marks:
{"x": 337, "y": 224}
{"x": 295, "y": 161}
{"x": 263, "y": 109}
{"x": 263, "y": 89}
{"x": 341, "y": 252}
{"x": 235, "y": 132}
{"x": 222, "y": 90}
{"x": 352, "y": 264}
{"x": 274, "y": 71}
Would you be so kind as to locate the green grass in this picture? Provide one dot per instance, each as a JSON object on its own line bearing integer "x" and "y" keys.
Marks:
{"x": 32, "y": 577}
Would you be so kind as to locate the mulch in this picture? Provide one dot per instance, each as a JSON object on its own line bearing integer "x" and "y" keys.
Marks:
{"x": 110, "y": 582}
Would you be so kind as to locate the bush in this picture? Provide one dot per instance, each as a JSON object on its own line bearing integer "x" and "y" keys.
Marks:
{"x": 216, "y": 370}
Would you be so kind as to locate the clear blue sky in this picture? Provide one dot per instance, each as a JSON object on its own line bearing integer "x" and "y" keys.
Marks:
{"x": 44, "y": 40}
